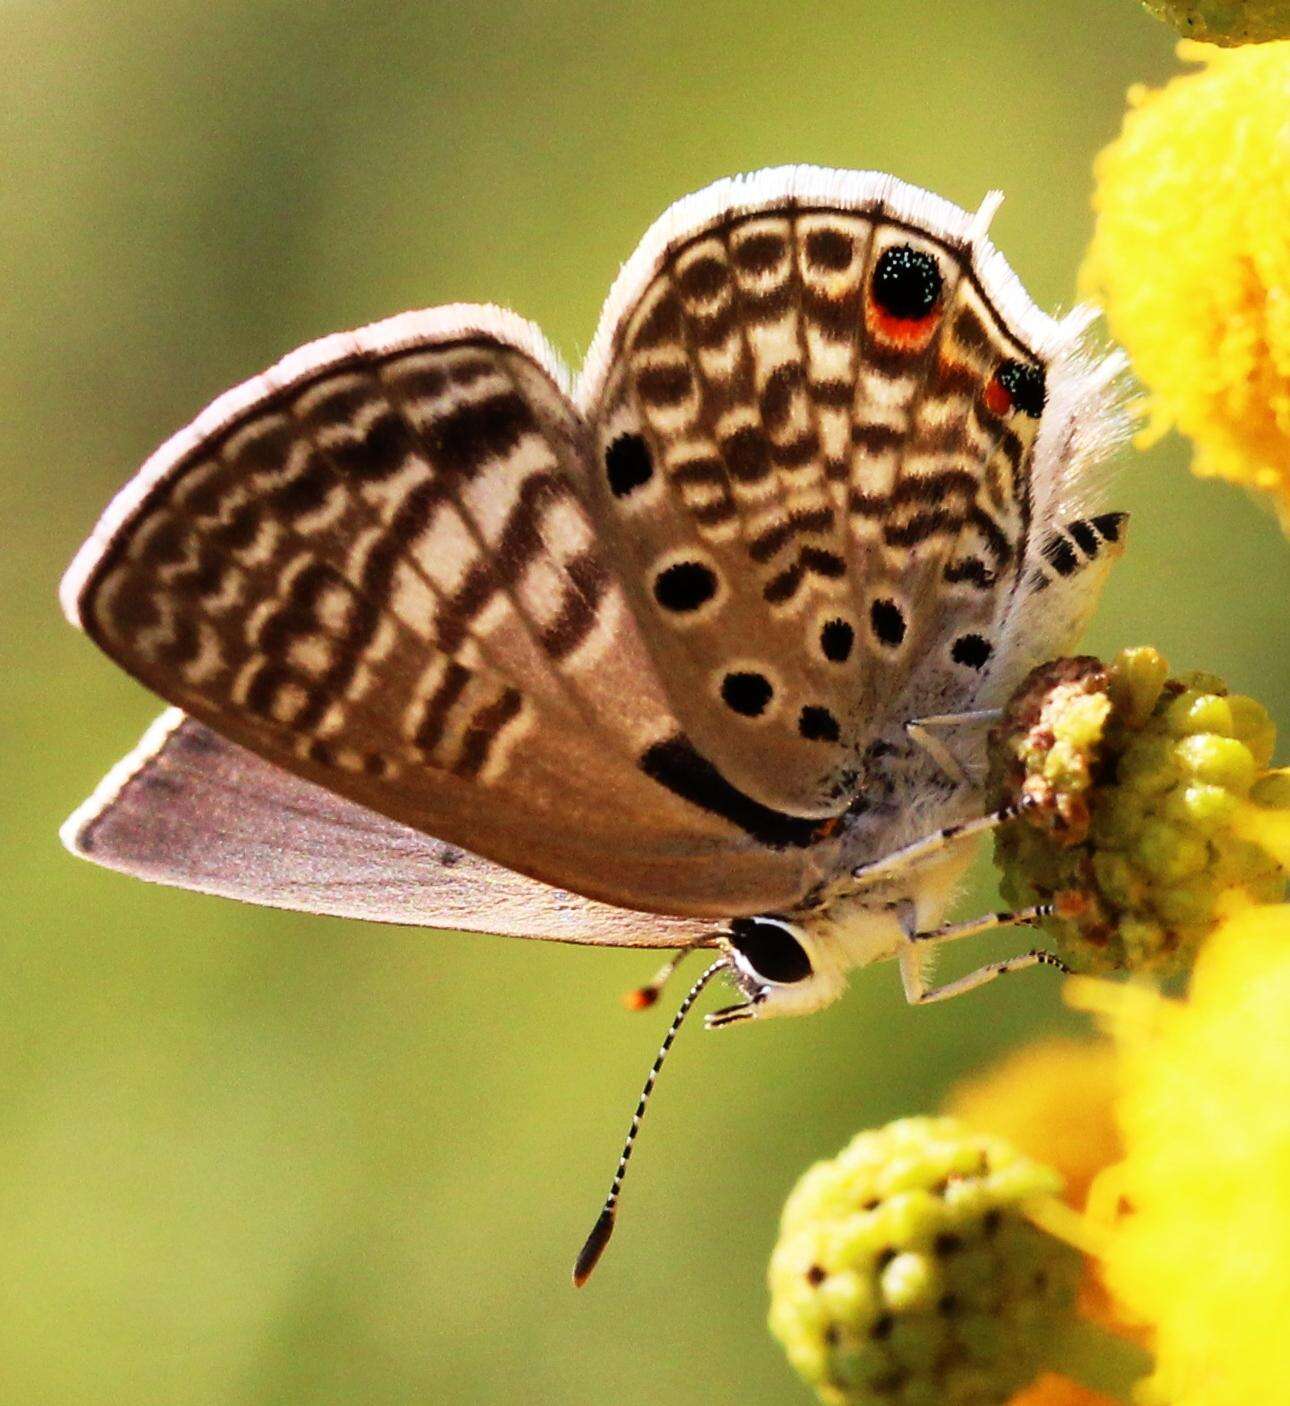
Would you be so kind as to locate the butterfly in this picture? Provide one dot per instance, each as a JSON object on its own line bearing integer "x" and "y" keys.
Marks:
{"x": 696, "y": 650}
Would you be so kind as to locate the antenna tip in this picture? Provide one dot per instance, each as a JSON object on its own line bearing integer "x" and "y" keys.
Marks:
{"x": 641, "y": 998}
{"x": 594, "y": 1247}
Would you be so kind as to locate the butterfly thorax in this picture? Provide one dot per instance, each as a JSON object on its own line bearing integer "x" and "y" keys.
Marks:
{"x": 851, "y": 922}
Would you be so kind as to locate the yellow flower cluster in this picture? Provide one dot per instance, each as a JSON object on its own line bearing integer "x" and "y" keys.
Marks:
{"x": 1226, "y": 22}
{"x": 1191, "y": 259}
{"x": 1147, "y": 797}
{"x": 1200, "y": 1247}
{"x": 1180, "y": 1124}
{"x": 908, "y": 1270}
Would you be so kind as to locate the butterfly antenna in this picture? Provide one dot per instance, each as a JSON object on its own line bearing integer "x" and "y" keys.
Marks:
{"x": 594, "y": 1246}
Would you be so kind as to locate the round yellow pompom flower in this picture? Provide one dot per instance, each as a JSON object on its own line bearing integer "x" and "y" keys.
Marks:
{"x": 907, "y": 1270}
{"x": 1146, "y": 801}
{"x": 1226, "y": 22}
{"x": 1191, "y": 259}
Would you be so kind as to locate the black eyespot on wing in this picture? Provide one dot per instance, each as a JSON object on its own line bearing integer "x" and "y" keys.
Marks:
{"x": 817, "y": 724}
{"x": 685, "y": 586}
{"x": 746, "y": 693}
{"x": 888, "y": 622}
{"x": 1026, "y": 385}
{"x": 906, "y": 282}
{"x": 628, "y": 465}
{"x": 836, "y": 639}
{"x": 759, "y": 253}
{"x": 972, "y": 650}
{"x": 771, "y": 950}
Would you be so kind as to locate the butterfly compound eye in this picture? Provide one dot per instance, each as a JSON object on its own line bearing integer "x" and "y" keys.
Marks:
{"x": 770, "y": 950}
{"x": 906, "y": 283}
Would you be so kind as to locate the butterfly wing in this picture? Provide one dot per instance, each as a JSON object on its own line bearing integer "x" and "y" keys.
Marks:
{"x": 371, "y": 566}
{"x": 815, "y": 398}
{"x": 188, "y": 807}
{"x": 640, "y": 648}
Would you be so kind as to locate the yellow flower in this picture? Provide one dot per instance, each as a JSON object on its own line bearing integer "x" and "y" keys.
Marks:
{"x": 1191, "y": 259}
{"x": 908, "y": 1270}
{"x": 1198, "y": 1245}
{"x": 1225, "y": 22}
{"x": 928, "y": 1264}
{"x": 1149, "y": 813}
{"x": 1052, "y": 1101}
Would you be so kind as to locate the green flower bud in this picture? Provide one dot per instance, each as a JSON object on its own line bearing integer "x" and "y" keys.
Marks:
{"x": 1139, "y": 788}
{"x": 1219, "y": 761}
{"x": 1225, "y": 22}
{"x": 906, "y": 1270}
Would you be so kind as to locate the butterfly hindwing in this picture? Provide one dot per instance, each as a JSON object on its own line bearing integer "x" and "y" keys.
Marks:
{"x": 815, "y": 405}
{"x": 190, "y": 808}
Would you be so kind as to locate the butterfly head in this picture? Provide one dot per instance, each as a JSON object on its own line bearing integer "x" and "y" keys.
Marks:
{"x": 797, "y": 963}
{"x": 780, "y": 968}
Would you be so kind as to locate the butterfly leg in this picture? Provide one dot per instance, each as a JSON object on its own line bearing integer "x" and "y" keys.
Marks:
{"x": 919, "y": 731}
{"x": 974, "y": 715}
{"x": 730, "y": 1015}
{"x": 947, "y": 932}
{"x": 935, "y": 843}
{"x": 920, "y": 992}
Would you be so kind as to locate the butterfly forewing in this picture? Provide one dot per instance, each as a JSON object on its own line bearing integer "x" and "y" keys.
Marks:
{"x": 380, "y": 575}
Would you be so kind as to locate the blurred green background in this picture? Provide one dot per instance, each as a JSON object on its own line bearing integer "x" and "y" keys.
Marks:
{"x": 255, "y": 1158}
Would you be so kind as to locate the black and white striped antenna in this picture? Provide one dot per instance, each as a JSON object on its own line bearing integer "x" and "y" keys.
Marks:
{"x": 594, "y": 1246}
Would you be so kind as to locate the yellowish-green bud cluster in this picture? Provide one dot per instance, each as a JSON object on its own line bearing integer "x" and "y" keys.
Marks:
{"x": 906, "y": 1271}
{"x": 1138, "y": 786}
{"x": 1225, "y": 22}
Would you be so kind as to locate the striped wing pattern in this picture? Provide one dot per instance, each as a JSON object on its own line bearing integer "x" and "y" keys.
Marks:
{"x": 380, "y": 576}
{"x": 638, "y": 640}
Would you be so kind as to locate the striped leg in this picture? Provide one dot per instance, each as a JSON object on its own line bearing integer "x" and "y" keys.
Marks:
{"x": 918, "y": 992}
{"x": 930, "y": 845}
{"x": 947, "y": 932}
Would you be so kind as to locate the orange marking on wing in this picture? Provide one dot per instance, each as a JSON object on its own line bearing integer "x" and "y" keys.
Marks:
{"x": 997, "y": 400}
{"x": 913, "y": 333}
